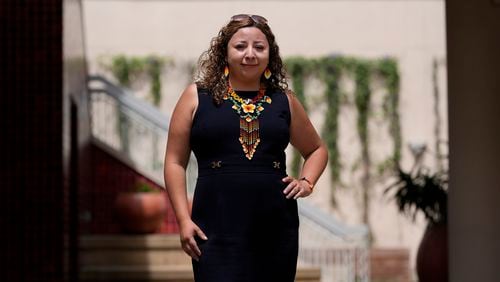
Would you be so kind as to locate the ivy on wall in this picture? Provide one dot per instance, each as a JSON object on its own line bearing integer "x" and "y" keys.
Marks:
{"x": 330, "y": 70}
{"x": 362, "y": 101}
{"x": 297, "y": 68}
{"x": 127, "y": 69}
{"x": 154, "y": 68}
{"x": 388, "y": 69}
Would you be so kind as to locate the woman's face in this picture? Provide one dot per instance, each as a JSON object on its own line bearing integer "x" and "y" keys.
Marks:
{"x": 247, "y": 54}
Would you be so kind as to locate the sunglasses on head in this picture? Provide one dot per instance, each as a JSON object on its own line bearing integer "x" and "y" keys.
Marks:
{"x": 255, "y": 18}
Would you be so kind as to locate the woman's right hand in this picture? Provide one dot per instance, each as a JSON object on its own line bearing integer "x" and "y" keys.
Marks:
{"x": 188, "y": 229}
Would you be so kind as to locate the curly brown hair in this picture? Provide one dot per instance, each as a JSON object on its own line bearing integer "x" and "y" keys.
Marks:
{"x": 210, "y": 71}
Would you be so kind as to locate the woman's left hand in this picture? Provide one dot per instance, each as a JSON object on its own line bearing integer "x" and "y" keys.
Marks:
{"x": 296, "y": 188}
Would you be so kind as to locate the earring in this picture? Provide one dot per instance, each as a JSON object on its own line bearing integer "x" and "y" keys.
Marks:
{"x": 267, "y": 73}
{"x": 226, "y": 71}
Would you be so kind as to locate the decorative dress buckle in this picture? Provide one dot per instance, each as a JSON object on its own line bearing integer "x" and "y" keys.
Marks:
{"x": 216, "y": 164}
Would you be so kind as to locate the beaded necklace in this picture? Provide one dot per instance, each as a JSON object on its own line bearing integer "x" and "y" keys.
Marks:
{"x": 249, "y": 111}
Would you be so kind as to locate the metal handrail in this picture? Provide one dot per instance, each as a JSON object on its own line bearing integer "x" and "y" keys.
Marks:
{"x": 127, "y": 99}
{"x": 331, "y": 224}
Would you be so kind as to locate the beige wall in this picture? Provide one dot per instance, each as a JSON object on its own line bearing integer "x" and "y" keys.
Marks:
{"x": 411, "y": 31}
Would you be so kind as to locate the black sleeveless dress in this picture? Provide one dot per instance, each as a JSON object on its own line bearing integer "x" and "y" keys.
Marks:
{"x": 252, "y": 228}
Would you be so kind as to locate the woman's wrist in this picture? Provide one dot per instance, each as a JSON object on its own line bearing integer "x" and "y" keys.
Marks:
{"x": 184, "y": 221}
{"x": 309, "y": 183}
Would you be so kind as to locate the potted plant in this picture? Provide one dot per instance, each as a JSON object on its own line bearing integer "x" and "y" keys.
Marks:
{"x": 420, "y": 190}
{"x": 142, "y": 209}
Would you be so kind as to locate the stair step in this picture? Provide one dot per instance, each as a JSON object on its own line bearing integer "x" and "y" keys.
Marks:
{"x": 132, "y": 250}
{"x": 166, "y": 273}
{"x": 145, "y": 258}
{"x": 162, "y": 241}
{"x": 141, "y": 273}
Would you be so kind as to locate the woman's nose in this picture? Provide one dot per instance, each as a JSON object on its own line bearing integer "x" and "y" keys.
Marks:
{"x": 250, "y": 53}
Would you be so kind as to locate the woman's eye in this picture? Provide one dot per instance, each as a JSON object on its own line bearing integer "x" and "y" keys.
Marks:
{"x": 239, "y": 47}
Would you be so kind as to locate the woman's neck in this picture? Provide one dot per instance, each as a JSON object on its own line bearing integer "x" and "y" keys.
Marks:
{"x": 244, "y": 86}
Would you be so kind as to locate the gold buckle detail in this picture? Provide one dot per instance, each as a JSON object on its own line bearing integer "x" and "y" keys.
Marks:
{"x": 216, "y": 164}
{"x": 276, "y": 164}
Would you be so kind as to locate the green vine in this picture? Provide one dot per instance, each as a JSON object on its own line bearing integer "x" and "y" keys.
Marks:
{"x": 330, "y": 70}
{"x": 154, "y": 68}
{"x": 362, "y": 101}
{"x": 127, "y": 69}
{"x": 388, "y": 68}
{"x": 297, "y": 67}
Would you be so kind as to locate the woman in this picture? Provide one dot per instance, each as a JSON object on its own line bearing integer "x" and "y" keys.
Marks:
{"x": 238, "y": 119}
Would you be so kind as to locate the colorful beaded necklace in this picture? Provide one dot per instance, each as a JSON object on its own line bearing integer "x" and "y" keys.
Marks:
{"x": 249, "y": 111}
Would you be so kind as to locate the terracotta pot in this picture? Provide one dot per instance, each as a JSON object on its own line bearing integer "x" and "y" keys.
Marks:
{"x": 432, "y": 255}
{"x": 141, "y": 212}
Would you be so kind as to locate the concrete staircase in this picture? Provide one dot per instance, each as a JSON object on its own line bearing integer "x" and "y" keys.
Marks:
{"x": 145, "y": 258}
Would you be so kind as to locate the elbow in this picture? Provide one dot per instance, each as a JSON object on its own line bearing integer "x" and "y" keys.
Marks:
{"x": 320, "y": 152}
{"x": 324, "y": 151}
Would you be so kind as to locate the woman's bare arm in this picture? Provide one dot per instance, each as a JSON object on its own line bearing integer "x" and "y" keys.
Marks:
{"x": 306, "y": 140}
{"x": 176, "y": 160}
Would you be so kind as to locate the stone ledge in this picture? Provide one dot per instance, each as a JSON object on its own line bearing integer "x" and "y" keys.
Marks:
{"x": 150, "y": 241}
{"x": 143, "y": 258}
{"x": 166, "y": 273}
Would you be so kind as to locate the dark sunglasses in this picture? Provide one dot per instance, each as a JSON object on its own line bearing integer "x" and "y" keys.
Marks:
{"x": 255, "y": 18}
